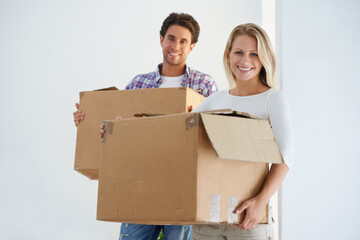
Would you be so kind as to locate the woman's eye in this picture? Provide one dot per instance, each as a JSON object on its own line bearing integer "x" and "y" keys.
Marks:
{"x": 253, "y": 54}
{"x": 238, "y": 53}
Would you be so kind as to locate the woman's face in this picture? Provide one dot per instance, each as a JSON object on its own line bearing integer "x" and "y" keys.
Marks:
{"x": 244, "y": 60}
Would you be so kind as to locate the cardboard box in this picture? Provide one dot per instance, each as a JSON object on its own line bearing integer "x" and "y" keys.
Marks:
{"x": 108, "y": 103}
{"x": 165, "y": 170}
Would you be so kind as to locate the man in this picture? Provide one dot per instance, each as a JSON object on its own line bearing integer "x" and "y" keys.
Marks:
{"x": 178, "y": 36}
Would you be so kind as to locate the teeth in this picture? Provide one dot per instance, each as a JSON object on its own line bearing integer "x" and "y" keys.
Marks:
{"x": 244, "y": 69}
{"x": 174, "y": 54}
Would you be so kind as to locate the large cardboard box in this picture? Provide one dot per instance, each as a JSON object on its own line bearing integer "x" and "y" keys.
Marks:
{"x": 108, "y": 103}
{"x": 165, "y": 170}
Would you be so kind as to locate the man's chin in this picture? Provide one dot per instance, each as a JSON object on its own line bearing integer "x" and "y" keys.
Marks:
{"x": 174, "y": 63}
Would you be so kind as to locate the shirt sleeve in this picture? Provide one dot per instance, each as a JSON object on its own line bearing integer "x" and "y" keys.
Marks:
{"x": 207, "y": 104}
{"x": 212, "y": 87}
{"x": 132, "y": 83}
{"x": 208, "y": 86}
{"x": 280, "y": 120}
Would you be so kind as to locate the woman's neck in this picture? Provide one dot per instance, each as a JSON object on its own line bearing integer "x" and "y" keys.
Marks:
{"x": 248, "y": 88}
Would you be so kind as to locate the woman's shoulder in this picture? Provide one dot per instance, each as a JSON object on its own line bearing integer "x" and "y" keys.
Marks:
{"x": 221, "y": 92}
{"x": 276, "y": 95}
{"x": 209, "y": 102}
{"x": 277, "y": 99}
{"x": 217, "y": 94}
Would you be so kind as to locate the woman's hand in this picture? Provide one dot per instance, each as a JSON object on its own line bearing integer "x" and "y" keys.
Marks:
{"x": 254, "y": 209}
{"x": 78, "y": 115}
{"x": 255, "y": 206}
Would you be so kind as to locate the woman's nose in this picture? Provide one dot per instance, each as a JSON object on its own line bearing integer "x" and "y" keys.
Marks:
{"x": 245, "y": 58}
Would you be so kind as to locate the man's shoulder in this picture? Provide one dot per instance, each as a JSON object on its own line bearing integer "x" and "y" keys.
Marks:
{"x": 143, "y": 80}
{"x": 193, "y": 73}
{"x": 142, "y": 76}
{"x": 202, "y": 81}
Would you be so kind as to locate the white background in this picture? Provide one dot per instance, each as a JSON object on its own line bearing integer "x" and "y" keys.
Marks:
{"x": 51, "y": 50}
{"x": 320, "y": 46}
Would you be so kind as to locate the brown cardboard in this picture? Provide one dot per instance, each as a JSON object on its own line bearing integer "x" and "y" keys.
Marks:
{"x": 164, "y": 170}
{"x": 253, "y": 135}
{"x": 107, "y": 103}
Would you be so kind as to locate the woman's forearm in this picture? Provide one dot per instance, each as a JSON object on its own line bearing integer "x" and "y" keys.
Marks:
{"x": 273, "y": 181}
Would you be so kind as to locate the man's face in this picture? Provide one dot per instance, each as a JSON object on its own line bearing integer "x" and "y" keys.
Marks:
{"x": 176, "y": 45}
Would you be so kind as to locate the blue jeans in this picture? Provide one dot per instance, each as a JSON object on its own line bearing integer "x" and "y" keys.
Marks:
{"x": 130, "y": 231}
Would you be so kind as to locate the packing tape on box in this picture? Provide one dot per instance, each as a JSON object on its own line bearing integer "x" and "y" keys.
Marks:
{"x": 232, "y": 204}
{"x": 108, "y": 127}
{"x": 191, "y": 122}
{"x": 215, "y": 208}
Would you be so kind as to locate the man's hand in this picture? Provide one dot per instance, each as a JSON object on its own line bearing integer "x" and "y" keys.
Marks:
{"x": 190, "y": 108}
{"x": 102, "y": 130}
{"x": 78, "y": 115}
{"x": 102, "y": 127}
{"x": 254, "y": 209}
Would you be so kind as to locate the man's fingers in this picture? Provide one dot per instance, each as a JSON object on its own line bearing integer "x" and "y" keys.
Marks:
{"x": 102, "y": 131}
{"x": 79, "y": 115}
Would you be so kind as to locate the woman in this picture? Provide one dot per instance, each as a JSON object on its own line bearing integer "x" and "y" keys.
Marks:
{"x": 250, "y": 66}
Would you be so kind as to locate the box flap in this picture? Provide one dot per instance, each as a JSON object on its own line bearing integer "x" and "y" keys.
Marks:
{"x": 107, "y": 89}
{"x": 240, "y": 138}
{"x": 102, "y": 89}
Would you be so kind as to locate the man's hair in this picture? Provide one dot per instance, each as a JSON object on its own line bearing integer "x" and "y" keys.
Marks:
{"x": 183, "y": 20}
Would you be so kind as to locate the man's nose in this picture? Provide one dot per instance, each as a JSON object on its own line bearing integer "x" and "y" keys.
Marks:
{"x": 176, "y": 45}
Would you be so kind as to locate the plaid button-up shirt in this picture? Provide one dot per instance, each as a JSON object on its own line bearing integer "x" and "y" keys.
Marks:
{"x": 194, "y": 79}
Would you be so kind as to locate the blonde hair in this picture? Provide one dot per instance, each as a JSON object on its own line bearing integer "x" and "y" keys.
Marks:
{"x": 265, "y": 51}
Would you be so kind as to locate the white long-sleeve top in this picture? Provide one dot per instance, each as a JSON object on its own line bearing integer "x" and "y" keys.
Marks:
{"x": 270, "y": 105}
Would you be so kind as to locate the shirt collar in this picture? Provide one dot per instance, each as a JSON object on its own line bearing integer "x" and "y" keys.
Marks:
{"x": 186, "y": 76}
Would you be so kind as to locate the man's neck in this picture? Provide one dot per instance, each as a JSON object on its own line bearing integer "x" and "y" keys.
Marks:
{"x": 172, "y": 71}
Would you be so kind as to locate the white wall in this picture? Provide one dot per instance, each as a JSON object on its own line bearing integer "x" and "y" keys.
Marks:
{"x": 51, "y": 50}
{"x": 320, "y": 62}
